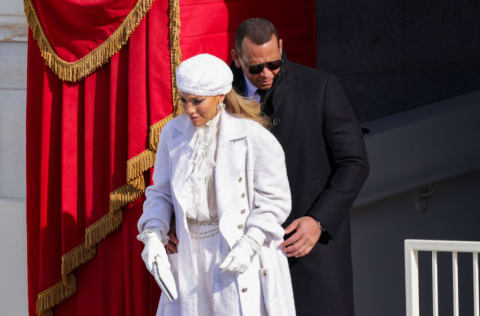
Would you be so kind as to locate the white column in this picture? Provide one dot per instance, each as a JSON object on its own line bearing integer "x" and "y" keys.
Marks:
{"x": 13, "y": 55}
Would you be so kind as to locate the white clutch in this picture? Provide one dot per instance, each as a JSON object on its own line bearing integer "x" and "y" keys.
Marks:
{"x": 166, "y": 281}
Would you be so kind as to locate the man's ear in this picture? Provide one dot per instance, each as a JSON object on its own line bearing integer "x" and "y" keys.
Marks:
{"x": 280, "y": 45}
{"x": 236, "y": 58}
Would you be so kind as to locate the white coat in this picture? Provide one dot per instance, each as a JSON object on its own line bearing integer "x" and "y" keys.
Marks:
{"x": 253, "y": 197}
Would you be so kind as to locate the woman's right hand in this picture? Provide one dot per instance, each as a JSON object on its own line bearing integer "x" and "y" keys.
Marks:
{"x": 154, "y": 250}
{"x": 156, "y": 260}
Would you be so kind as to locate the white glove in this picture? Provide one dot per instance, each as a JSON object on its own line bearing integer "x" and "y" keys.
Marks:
{"x": 239, "y": 258}
{"x": 157, "y": 263}
{"x": 154, "y": 250}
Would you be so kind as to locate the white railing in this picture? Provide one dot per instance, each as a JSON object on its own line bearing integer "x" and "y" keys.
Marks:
{"x": 412, "y": 247}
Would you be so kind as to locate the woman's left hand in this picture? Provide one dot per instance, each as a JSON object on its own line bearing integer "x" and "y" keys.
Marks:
{"x": 239, "y": 258}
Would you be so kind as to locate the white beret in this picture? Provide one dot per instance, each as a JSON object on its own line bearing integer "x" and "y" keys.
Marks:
{"x": 204, "y": 74}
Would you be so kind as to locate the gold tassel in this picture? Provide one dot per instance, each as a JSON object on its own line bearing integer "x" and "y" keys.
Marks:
{"x": 78, "y": 70}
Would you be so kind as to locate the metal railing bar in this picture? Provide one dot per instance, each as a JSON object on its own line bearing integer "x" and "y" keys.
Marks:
{"x": 455, "y": 283}
{"x": 443, "y": 245}
{"x": 476, "y": 293}
{"x": 411, "y": 282}
{"x": 435, "y": 283}
{"x": 412, "y": 247}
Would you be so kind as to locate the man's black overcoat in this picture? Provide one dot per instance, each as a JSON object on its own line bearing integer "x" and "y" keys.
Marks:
{"x": 327, "y": 165}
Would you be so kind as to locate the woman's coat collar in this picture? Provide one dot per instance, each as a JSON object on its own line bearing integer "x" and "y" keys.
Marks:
{"x": 230, "y": 128}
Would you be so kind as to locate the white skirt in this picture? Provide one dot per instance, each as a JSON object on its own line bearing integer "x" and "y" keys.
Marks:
{"x": 214, "y": 296}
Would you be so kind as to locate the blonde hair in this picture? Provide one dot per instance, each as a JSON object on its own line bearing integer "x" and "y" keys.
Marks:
{"x": 243, "y": 107}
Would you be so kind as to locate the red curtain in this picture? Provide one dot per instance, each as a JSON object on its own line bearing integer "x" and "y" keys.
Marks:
{"x": 79, "y": 138}
{"x": 209, "y": 26}
{"x": 75, "y": 27}
{"x": 81, "y": 135}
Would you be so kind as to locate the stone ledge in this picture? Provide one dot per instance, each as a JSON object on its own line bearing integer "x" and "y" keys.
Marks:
{"x": 13, "y": 66}
{"x": 12, "y": 143}
{"x": 13, "y": 28}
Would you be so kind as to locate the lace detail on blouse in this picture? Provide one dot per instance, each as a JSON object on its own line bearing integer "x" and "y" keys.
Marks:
{"x": 200, "y": 185}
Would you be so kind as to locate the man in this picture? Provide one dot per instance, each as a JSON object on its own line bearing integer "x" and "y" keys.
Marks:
{"x": 326, "y": 164}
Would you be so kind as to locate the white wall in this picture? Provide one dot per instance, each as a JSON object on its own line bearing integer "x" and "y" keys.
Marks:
{"x": 13, "y": 244}
{"x": 435, "y": 146}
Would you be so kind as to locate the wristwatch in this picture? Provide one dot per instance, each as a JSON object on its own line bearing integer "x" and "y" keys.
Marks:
{"x": 318, "y": 223}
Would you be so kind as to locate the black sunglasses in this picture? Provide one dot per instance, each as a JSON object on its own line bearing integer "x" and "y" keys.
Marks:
{"x": 257, "y": 68}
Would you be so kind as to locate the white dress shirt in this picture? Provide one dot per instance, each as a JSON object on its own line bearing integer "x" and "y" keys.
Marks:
{"x": 251, "y": 90}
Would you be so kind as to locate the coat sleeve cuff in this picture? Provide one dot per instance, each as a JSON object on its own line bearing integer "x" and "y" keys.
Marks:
{"x": 256, "y": 234}
{"x": 153, "y": 226}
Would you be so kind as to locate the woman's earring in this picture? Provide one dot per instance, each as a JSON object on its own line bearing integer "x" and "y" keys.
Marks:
{"x": 220, "y": 106}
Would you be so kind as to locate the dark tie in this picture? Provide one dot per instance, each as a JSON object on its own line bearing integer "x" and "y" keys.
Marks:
{"x": 266, "y": 106}
{"x": 262, "y": 94}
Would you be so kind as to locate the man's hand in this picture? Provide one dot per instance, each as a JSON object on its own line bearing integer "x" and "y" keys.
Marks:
{"x": 305, "y": 237}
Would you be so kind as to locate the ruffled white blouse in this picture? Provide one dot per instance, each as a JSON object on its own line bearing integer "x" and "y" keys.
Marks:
{"x": 200, "y": 184}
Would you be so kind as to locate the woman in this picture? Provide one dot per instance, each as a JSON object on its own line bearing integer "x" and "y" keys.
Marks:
{"x": 223, "y": 175}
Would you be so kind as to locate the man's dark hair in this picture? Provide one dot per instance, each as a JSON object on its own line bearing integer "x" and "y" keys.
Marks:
{"x": 258, "y": 30}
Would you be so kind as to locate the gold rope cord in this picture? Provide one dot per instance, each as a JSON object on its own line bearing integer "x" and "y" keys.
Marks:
{"x": 78, "y": 70}
{"x": 119, "y": 198}
{"x": 175, "y": 51}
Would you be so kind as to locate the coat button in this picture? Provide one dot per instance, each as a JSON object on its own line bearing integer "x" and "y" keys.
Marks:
{"x": 240, "y": 179}
{"x": 243, "y": 211}
{"x": 243, "y": 195}
{"x": 240, "y": 226}
{"x": 244, "y": 290}
{"x": 276, "y": 121}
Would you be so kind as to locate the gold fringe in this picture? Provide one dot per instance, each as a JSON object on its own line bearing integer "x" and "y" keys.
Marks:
{"x": 154, "y": 133}
{"x": 75, "y": 257}
{"x": 139, "y": 164}
{"x": 56, "y": 294}
{"x": 119, "y": 198}
{"x": 78, "y": 70}
{"x": 127, "y": 193}
{"x": 99, "y": 230}
{"x": 175, "y": 52}
{"x": 48, "y": 312}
